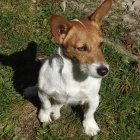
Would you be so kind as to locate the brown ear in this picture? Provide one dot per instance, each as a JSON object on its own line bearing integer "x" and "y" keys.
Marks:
{"x": 101, "y": 12}
{"x": 59, "y": 28}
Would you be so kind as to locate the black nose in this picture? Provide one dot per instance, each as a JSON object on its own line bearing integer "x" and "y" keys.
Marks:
{"x": 102, "y": 71}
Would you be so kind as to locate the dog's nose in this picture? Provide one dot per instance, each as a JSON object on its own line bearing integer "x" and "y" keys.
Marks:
{"x": 102, "y": 71}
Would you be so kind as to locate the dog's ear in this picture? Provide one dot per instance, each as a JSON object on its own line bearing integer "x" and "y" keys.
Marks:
{"x": 101, "y": 12}
{"x": 59, "y": 28}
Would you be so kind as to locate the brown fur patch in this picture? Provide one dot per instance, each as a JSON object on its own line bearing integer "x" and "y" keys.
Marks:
{"x": 81, "y": 39}
{"x": 82, "y": 34}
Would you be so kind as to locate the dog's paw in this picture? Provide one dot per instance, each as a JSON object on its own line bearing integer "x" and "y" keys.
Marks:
{"x": 44, "y": 116}
{"x": 55, "y": 115}
{"x": 90, "y": 127}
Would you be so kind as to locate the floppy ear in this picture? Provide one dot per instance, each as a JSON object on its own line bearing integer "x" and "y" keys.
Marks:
{"x": 101, "y": 12}
{"x": 59, "y": 28}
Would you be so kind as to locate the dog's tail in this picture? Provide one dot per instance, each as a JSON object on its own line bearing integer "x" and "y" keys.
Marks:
{"x": 31, "y": 92}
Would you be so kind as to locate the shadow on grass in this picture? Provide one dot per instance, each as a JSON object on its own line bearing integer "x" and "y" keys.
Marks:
{"x": 79, "y": 111}
{"x": 25, "y": 69}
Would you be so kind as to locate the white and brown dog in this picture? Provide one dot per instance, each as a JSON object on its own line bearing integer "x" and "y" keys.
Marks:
{"x": 73, "y": 74}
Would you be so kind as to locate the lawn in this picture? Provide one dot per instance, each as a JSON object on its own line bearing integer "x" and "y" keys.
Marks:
{"x": 25, "y": 35}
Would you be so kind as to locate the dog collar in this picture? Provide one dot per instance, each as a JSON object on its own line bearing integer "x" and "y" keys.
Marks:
{"x": 80, "y": 22}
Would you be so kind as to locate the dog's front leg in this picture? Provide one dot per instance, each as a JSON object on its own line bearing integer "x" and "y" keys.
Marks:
{"x": 48, "y": 111}
{"x": 90, "y": 126}
{"x": 45, "y": 111}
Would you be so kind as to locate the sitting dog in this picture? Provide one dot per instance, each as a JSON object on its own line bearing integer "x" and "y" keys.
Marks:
{"x": 73, "y": 74}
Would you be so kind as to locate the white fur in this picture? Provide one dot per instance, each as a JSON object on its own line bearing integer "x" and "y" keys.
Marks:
{"x": 91, "y": 69}
{"x": 57, "y": 81}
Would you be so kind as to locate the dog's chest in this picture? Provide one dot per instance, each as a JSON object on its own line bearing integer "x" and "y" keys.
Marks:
{"x": 70, "y": 92}
{"x": 73, "y": 92}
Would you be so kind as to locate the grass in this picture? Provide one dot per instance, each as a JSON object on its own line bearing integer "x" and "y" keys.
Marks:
{"x": 23, "y": 22}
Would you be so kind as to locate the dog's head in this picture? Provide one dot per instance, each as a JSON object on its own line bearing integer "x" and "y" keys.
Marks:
{"x": 81, "y": 40}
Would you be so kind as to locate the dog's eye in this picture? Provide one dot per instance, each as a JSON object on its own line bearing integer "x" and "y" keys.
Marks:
{"x": 100, "y": 45}
{"x": 83, "y": 48}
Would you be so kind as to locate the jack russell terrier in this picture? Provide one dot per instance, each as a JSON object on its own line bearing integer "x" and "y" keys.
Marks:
{"x": 73, "y": 74}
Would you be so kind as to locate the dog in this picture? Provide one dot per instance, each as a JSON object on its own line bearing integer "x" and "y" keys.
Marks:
{"x": 73, "y": 74}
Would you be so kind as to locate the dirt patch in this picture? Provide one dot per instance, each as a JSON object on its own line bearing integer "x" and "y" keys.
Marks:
{"x": 26, "y": 121}
{"x": 130, "y": 19}
{"x": 88, "y": 7}
{"x": 131, "y": 5}
{"x": 3, "y": 41}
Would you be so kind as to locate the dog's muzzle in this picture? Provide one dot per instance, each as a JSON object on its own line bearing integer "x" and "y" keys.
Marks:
{"x": 97, "y": 70}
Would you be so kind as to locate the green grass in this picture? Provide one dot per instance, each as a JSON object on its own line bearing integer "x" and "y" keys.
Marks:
{"x": 23, "y": 22}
